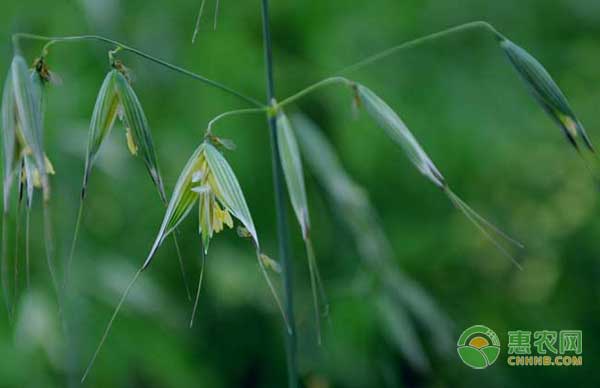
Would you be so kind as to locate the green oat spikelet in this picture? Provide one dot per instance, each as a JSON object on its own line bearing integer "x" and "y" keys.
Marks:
{"x": 395, "y": 128}
{"x": 10, "y": 145}
{"x": 106, "y": 110}
{"x": 207, "y": 179}
{"x": 22, "y": 125}
{"x": 11, "y": 163}
{"x": 387, "y": 119}
{"x": 117, "y": 98}
{"x": 547, "y": 93}
{"x": 104, "y": 116}
{"x": 18, "y": 139}
{"x": 227, "y": 190}
{"x": 291, "y": 163}
{"x": 39, "y": 76}
{"x": 181, "y": 202}
{"x": 28, "y": 104}
{"x": 139, "y": 130}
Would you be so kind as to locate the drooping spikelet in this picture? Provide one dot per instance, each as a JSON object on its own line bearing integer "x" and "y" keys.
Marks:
{"x": 385, "y": 116}
{"x": 547, "y": 93}
{"x": 291, "y": 163}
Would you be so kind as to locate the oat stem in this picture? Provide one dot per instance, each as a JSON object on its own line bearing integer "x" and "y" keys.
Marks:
{"x": 56, "y": 39}
{"x": 4, "y": 264}
{"x": 282, "y": 226}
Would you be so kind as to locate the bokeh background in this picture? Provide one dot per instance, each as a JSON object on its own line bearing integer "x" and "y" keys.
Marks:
{"x": 461, "y": 99}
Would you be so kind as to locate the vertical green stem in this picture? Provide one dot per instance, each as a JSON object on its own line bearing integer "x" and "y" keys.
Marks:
{"x": 282, "y": 225}
{"x": 4, "y": 263}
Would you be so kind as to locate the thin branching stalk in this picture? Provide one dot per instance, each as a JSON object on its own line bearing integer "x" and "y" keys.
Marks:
{"x": 282, "y": 226}
{"x": 237, "y": 112}
{"x": 384, "y": 54}
{"x": 415, "y": 42}
{"x": 313, "y": 87}
{"x": 52, "y": 40}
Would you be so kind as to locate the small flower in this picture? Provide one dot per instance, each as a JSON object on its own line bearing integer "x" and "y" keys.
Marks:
{"x": 133, "y": 148}
{"x": 36, "y": 177}
{"x": 212, "y": 215}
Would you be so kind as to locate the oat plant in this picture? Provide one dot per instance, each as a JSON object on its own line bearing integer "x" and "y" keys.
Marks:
{"x": 208, "y": 185}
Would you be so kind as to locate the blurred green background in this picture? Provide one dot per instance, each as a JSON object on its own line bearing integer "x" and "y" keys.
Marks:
{"x": 461, "y": 99}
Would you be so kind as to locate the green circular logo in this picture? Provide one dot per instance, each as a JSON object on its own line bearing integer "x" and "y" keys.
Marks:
{"x": 478, "y": 347}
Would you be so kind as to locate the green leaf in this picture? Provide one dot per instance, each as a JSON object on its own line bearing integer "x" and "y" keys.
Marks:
{"x": 135, "y": 120}
{"x": 397, "y": 130}
{"x": 181, "y": 202}
{"x": 103, "y": 117}
{"x": 546, "y": 92}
